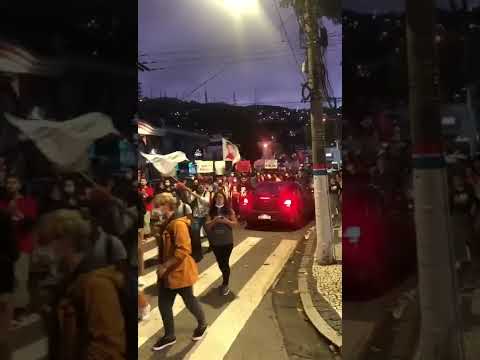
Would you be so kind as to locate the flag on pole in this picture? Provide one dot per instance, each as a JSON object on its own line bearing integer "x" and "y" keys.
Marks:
{"x": 66, "y": 143}
{"x": 166, "y": 164}
{"x": 230, "y": 151}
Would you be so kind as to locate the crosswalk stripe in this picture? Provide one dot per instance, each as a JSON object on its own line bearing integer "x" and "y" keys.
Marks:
{"x": 34, "y": 351}
{"x": 154, "y": 324}
{"x": 150, "y": 254}
{"x": 225, "y": 329}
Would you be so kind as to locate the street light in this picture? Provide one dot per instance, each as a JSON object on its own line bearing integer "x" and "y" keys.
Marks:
{"x": 239, "y": 7}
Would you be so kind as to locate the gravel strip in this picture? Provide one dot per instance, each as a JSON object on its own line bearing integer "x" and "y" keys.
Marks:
{"x": 329, "y": 284}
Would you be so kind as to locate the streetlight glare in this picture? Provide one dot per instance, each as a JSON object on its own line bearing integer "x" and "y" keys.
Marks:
{"x": 239, "y": 7}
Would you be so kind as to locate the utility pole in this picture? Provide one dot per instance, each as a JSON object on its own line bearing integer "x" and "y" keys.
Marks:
{"x": 234, "y": 98}
{"x": 472, "y": 123}
{"x": 206, "y": 97}
{"x": 323, "y": 220}
{"x": 441, "y": 335}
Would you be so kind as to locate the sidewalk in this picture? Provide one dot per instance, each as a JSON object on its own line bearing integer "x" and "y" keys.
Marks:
{"x": 321, "y": 293}
{"x": 470, "y": 301}
{"x": 383, "y": 328}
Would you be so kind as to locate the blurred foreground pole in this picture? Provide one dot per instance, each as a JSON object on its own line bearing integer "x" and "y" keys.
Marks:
{"x": 323, "y": 219}
{"x": 441, "y": 334}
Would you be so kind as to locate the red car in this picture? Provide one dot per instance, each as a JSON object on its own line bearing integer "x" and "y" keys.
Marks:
{"x": 378, "y": 241}
{"x": 278, "y": 203}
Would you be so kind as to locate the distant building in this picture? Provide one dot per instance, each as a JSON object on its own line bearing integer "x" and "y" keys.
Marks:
{"x": 165, "y": 140}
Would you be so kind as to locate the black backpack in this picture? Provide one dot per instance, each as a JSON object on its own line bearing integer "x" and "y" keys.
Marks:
{"x": 197, "y": 253}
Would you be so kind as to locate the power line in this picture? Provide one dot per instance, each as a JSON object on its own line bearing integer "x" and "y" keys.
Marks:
{"x": 232, "y": 61}
{"x": 211, "y": 50}
{"x": 288, "y": 40}
{"x": 205, "y": 82}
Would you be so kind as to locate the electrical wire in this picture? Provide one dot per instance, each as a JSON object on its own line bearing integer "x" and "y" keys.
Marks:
{"x": 205, "y": 82}
{"x": 302, "y": 75}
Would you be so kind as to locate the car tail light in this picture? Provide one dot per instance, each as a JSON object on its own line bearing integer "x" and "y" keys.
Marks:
{"x": 264, "y": 197}
{"x": 287, "y": 203}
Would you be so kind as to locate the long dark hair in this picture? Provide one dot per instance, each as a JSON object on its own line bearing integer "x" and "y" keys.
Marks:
{"x": 227, "y": 208}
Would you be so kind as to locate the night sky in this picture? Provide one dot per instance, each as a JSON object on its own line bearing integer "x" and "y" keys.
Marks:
{"x": 194, "y": 40}
{"x": 391, "y": 5}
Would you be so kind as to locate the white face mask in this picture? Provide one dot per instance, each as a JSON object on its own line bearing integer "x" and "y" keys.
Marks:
{"x": 219, "y": 205}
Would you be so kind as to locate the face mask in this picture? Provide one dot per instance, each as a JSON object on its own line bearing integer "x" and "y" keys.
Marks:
{"x": 219, "y": 206}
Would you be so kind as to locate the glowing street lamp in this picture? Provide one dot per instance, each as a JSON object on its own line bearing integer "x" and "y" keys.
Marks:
{"x": 240, "y": 7}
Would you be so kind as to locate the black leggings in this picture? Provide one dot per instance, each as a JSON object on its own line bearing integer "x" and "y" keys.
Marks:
{"x": 222, "y": 254}
{"x": 166, "y": 299}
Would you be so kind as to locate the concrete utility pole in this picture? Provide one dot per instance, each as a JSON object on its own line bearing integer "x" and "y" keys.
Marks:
{"x": 441, "y": 333}
{"x": 323, "y": 219}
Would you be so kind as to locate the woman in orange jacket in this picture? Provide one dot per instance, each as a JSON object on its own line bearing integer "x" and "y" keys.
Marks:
{"x": 177, "y": 271}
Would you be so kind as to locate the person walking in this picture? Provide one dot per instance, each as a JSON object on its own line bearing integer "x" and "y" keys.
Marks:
{"x": 23, "y": 212}
{"x": 200, "y": 208}
{"x": 177, "y": 272}
{"x": 87, "y": 321}
{"x": 220, "y": 223}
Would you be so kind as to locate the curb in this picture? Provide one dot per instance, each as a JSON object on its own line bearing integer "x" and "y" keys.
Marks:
{"x": 313, "y": 315}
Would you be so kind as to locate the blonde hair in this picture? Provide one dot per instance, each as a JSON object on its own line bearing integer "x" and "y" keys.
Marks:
{"x": 66, "y": 224}
{"x": 165, "y": 199}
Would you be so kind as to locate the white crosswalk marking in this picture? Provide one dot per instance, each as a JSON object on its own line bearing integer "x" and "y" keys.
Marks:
{"x": 34, "y": 351}
{"x": 150, "y": 327}
{"x": 225, "y": 329}
{"x": 150, "y": 254}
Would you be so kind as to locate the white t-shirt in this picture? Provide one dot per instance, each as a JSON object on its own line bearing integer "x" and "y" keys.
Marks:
{"x": 183, "y": 210}
{"x": 203, "y": 205}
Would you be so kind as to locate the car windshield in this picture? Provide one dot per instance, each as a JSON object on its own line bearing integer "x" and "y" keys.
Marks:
{"x": 272, "y": 188}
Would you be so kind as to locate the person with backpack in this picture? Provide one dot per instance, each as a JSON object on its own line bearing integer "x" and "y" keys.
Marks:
{"x": 177, "y": 272}
{"x": 200, "y": 207}
{"x": 220, "y": 222}
{"x": 183, "y": 208}
{"x": 90, "y": 312}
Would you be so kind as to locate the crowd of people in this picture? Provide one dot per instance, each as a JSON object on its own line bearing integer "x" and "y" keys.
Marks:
{"x": 182, "y": 212}
{"x": 69, "y": 238}
{"x": 382, "y": 159}
{"x": 75, "y": 240}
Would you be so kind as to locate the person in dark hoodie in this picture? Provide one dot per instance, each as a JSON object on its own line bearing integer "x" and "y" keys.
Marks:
{"x": 87, "y": 318}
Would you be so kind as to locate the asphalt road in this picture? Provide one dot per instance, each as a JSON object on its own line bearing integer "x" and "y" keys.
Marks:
{"x": 262, "y": 319}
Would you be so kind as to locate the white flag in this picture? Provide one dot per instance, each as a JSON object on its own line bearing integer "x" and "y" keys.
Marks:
{"x": 166, "y": 164}
{"x": 230, "y": 151}
{"x": 66, "y": 143}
